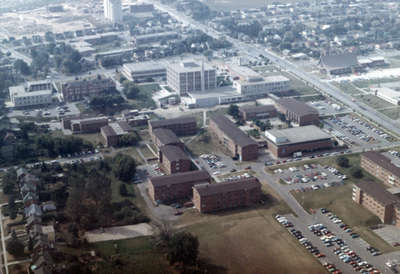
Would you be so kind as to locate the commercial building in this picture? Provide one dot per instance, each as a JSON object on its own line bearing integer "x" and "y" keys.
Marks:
{"x": 236, "y": 141}
{"x": 379, "y": 201}
{"x": 113, "y": 132}
{"x": 241, "y": 72}
{"x": 214, "y": 197}
{"x": 191, "y": 76}
{"x": 144, "y": 70}
{"x": 337, "y": 64}
{"x": 143, "y": 39}
{"x": 173, "y": 159}
{"x": 166, "y": 137}
{"x": 113, "y": 11}
{"x": 297, "y": 112}
{"x": 32, "y": 94}
{"x": 256, "y": 87}
{"x": 381, "y": 167}
{"x": 249, "y": 113}
{"x": 176, "y": 186}
{"x": 285, "y": 142}
{"x": 388, "y": 94}
{"x": 86, "y": 88}
{"x": 180, "y": 126}
{"x": 86, "y": 125}
{"x": 218, "y": 96}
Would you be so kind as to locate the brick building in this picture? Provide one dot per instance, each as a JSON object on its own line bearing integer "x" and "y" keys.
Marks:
{"x": 214, "y": 197}
{"x": 173, "y": 159}
{"x": 297, "y": 112}
{"x": 378, "y": 200}
{"x": 285, "y": 142}
{"x": 92, "y": 87}
{"x": 237, "y": 142}
{"x": 249, "y": 113}
{"x": 86, "y": 125}
{"x": 381, "y": 167}
{"x": 180, "y": 126}
{"x": 112, "y": 133}
{"x": 176, "y": 186}
{"x": 163, "y": 137}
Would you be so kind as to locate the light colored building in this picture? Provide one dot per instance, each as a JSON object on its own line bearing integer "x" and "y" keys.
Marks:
{"x": 113, "y": 10}
{"x": 191, "y": 76}
{"x": 389, "y": 95}
{"x": 143, "y": 70}
{"x": 31, "y": 94}
{"x": 259, "y": 86}
{"x": 154, "y": 37}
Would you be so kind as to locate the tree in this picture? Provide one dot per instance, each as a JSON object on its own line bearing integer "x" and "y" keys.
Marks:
{"x": 130, "y": 139}
{"x": 343, "y": 161}
{"x": 12, "y": 208}
{"x": 183, "y": 247}
{"x": 124, "y": 167}
{"x": 15, "y": 247}
{"x": 22, "y": 67}
{"x": 123, "y": 190}
{"x": 233, "y": 110}
{"x": 9, "y": 181}
{"x": 131, "y": 90}
{"x": 356, "y": 172}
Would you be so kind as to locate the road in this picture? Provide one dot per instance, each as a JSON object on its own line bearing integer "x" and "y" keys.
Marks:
{"x": 312, "y": 80}
{"x": 3, "y": 244}
{"x": 17, "y": 55}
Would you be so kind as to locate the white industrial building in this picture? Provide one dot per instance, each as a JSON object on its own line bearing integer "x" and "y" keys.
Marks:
{"x": 143, "y": 70}
{"x": 259, "y": 87}
{"x": 113, "y": 10}
{"x": 31, "y": 94}
{"x": 390, "y": 95}
{"x": 191, "y": 76}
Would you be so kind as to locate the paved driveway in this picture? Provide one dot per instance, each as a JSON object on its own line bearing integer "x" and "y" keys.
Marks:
{"x": 119, "y": 233}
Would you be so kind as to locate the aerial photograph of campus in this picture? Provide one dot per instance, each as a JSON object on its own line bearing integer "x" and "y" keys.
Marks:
{"x": 199, "y": 136}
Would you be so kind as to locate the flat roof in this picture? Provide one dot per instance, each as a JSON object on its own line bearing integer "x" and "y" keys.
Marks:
{"x": 173, "y": 153}
{"x": 378, "y": 192}
{"x": 296, "y": 106}
{"x": 174, "y": 121}
{"x": 161, "y": 34}
{"x": 383, "y": 161}
{"x": 166, "y": 136}
{"x": 257, "y": 109}
{"x": 189, "y": 66}
{"x": 226, "y": 187}
{"x": 243, "y": 71}
{"x": 144, "y": 66}
{"x": 181, "y": 178}
{"x": 296, "y": 135}
{"x": 20, "y": 91}
{"x": 232, "y": 131}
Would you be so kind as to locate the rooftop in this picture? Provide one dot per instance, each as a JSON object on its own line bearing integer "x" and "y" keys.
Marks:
{"x": 189, "y": 66}
{"x": 144, "y": 66}
{"x": 296, "y": 106}
{"x": 257, "y": 109}
{"x": 342, "y": 60}
{"x": 232, "y": 131}
{"x": 168, "y": 122}
{"x": 173, "y": 153}
{"x": 296, "y": 135}
{"x": 383, "y": 161}
{"x": 226, "y": 187}
{"x": 166, "y": 136}
{"x": 181, "y": 178}
{"x": 378, "y": 192}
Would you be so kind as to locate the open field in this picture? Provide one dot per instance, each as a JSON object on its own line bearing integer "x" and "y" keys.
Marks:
{"x": 368, "y": 83}
{"x": 250, "y": 240}
{"x": 373, "y": 101}
{"x": 392, "y": 113}
{"x": 202, "y": 144}
{"x": 131, "y": 151}
{"x": 347, "y": 88}
{"x": 234, "y": 4}
{"x": 339, "y": 201}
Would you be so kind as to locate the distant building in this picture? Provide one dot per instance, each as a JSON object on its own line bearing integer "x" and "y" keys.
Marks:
{"x": 190, "y": 76}
{"x": 78, "y": 90}
{"x": 113, "y": 11}
{"x": 337, "y": 64}
{"x": 381, "y": 167}
{"x": 85, "y": 125}
{"x": 297, "y": 112}
{"x": 285, "y": 142}
{"x": 176, "y": 186}
{"x": 173, "y": 159}
{"x": 143, "y": 71}
{"x": 113, "y": 132}
{"x": 249, "y": 113}
{"x": 32, "y": 94}
{"x": 236, "y": 141}
{"x": 389, "y": 95}
{"x": 141, "y": 8}
{"x": 143, "y": 39}
{"x": 260, "y": 87}
{"x": 379, "y": 201}
{"x": 180, "y": 126}
{"x": 214, "y": 197}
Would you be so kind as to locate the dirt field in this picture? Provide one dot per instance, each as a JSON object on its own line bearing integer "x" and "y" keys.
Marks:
{"x": 250, "y": 241}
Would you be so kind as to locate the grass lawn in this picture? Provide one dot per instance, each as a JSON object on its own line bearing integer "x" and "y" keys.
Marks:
{"x": 368, "y": 83}
{"x": 339, "y": 201}
{"x": 149, "y": 87}
{"x": 373, "y": 101}
{"x": 138, "y": 255}
{"x": 347, "y": 88}
{"x": 299, "y": 86}
{"x": 202, "y": 144}
{"x": 131, "y": 151}
{"x": 94, "y": 138}
{"x": 146, "y": 152}
{"x": 392, "y": 113}
{"x": 250, "y": 240}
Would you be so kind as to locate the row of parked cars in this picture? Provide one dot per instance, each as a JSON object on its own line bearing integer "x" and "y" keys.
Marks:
{"x": 371, "y": 127}
{"x": 213, "y": 161}
{"x": 336, "y": 220}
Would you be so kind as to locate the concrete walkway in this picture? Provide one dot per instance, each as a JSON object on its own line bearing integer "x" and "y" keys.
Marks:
{"x": 119, "y": 233}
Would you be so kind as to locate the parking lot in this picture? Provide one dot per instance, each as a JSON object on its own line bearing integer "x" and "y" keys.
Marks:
{"x": 53, "y": 111}
{"x": 310, "y": 177}
{"x": 340, "y": 245}
{"x": 356, "y": 132}
{"x": 327, "y": 108}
